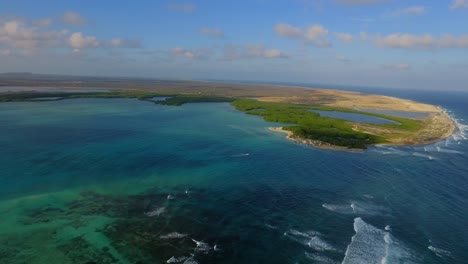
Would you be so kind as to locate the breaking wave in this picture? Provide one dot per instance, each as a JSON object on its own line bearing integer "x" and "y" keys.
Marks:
{"x": 373, "y": 245}
{"x": 311, "y": 239}
{"x": 357, "y": 208}
{"x": 441, "y": 253}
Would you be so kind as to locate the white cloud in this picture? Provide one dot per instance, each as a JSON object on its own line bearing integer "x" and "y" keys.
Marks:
{"x": 196, "y": 54}
{"x": 399, "y": 40}
{"x": 253, "y": 51}
{"x": 344, "y": 37}
{"x": 451, "y": 41}
{"x": 410, "y": 41}
{"x": 45, "y": 22}
{"x": 212, "y": 32}
{"x": 398, "y": 66}
{"x": 78, "y": 42}
{"x": 16, "y": 34}
{"x": 230, "y": 52}
{"x": 456, "y": 4}
{"x": 74, "y": 19}
{"x": 315, "y": 35}
{"x": 123, "y": 43}
{"x": 288, "y": 31}
{"x": 412, "y": 10}
{"x": 181, "y": 7}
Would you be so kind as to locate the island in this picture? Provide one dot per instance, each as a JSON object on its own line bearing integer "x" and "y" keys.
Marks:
{"x": 296, "y": 109}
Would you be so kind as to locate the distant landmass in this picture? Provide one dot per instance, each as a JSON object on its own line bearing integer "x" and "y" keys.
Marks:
{"x": 285, "y": 104}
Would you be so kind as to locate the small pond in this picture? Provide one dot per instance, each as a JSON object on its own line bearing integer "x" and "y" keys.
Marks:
{"x": 355, "y": 117}
{"x": 404, "y": 114}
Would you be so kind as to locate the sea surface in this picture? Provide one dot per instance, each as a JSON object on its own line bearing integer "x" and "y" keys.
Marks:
{"x": 127, "y": 181}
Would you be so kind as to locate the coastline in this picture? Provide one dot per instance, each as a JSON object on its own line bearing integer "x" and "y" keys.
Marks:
{"x": 439, "y": 120}
{"x": 313, "y": 143}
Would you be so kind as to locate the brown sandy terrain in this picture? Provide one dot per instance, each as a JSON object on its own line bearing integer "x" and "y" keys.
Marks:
{"x": 437, "y": 126}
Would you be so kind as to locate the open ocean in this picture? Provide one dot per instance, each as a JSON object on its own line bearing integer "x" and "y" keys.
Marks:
{"x": 126, "y": 181}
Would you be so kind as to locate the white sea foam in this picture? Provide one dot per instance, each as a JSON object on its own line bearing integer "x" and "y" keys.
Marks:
{"x": 174, "y": 259}
{"x": 429, "y": 157}
{"x": 155, "y": 211}
{"x": 357, "y": 208}
{"x": 386, "y": 150}
{"x": 441, "y": 253}
{"x": 319, "y": 258}
{"x": 271, "y": 226}
{"x": 173, "y": 235}
{"x": 216, "y": 248}
{"x": 202, "y": 246}
{"x": 461, "y": 128}
{"x": 339, "y": 208}
{"x": 240, "y": 155}
{"x": 388, "y": 228}
{"x": 373, "y": 245}
{"x": 190, "y": 260}
{"x": 450, "y": 151}
{"x": 311, "y": 239}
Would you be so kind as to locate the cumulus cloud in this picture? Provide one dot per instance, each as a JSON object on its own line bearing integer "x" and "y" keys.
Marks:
{"x": 344, "y": 37}
{"x": 253, "y": 51}
{"x": 123, "y": 43}
{"x": 456, "y": 4}
{"x": 16, "y": 34}
{"x": 230, "y": 52}
{"x": 78, "y": 42}
{"x": 412, "y": 10}
{"x": 316, "y": 35}
{"x": 212, "y": 32}
{"x": 410, "y": 41}
{"x": 360, "y": 2}
{"x": 181, "y": 7}
{"x": 399, "y": 40}
{"x": 398, "y": 66}
{"x": 74, "y": 19}
{"x": 450, "y": 41}
{"x": 46, "y": 22}
{"x": 196, "y": 54}
{"x": 235, "y": 52}
{"x": 288, "y": 31}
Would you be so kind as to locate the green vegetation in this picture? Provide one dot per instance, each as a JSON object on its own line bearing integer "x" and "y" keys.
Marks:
{"x": 307, "y": 124}
{"x": 141, "y": 95}
{"x": 311, "y": 125}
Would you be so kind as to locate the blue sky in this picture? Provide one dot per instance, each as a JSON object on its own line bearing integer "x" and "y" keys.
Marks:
{"x": 389, "y": 43}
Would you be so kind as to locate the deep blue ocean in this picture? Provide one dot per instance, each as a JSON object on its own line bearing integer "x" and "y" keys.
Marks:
{"x": 127, "y": 181}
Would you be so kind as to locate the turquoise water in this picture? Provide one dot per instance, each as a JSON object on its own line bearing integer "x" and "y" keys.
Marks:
{"x": 126, "y": 181}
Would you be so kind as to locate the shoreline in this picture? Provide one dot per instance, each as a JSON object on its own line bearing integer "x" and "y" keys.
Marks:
{"x": 322, "y": 145}
{"x": 313, "y": 143}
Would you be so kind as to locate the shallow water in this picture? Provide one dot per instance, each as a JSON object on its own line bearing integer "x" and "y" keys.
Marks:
{"x": 126, "y": 181}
